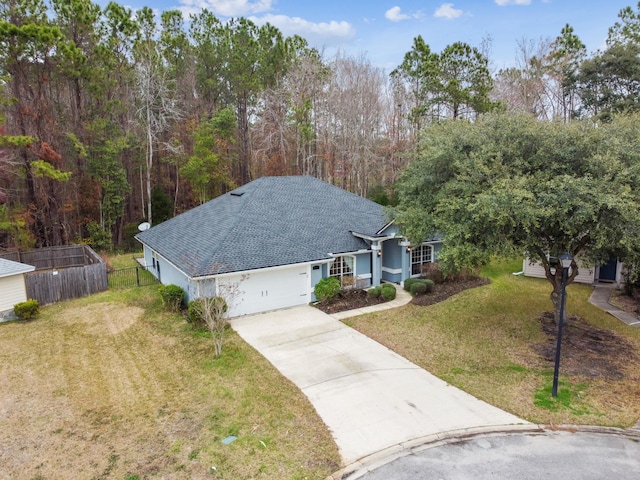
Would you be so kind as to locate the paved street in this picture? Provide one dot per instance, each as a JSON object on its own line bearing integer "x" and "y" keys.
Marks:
{"x": 564, "y": 455}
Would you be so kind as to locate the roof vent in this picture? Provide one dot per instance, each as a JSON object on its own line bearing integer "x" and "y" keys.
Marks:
{"x": 236, "y": 193}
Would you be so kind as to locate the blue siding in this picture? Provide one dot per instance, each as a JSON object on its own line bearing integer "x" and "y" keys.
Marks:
{"x": 166, "y": 272}
{"x": 316, "y": 276}
{"x": 392, "y": 260}
{"x": 363, "y": 267}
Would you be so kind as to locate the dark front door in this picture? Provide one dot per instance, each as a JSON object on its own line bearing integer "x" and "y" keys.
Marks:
{"x": 608, "y": 270}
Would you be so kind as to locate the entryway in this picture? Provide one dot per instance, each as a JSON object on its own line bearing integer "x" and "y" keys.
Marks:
{"x": 608, "y": 270}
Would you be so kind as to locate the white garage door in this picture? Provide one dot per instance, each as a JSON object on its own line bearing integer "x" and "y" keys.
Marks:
{"x": 260, "y": 291}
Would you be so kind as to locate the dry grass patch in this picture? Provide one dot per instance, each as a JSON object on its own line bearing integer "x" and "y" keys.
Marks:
{"x": 487, "y": 341}
{"x": 112, "y": 386}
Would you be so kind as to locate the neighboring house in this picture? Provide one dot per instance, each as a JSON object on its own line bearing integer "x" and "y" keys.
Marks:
{"x": 266, "y": 244}
{"x": 12, "y": 286}
{"x": 588, "y": 272}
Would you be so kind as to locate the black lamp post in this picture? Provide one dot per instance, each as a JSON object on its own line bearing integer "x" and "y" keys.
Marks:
{"x": 565, "y": 260}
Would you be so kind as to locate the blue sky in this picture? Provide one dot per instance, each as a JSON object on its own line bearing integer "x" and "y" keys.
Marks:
{"x": 384, "y": 29}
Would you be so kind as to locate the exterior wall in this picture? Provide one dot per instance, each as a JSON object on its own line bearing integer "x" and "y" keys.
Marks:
{"x": 363, "y": 270}
{"x": 13, "y": 291}
{"x": 317, "y": 274}
{"x": 586, "y": 271}
{"x": 167, "y": 273}
{"x": 392, "y": 253}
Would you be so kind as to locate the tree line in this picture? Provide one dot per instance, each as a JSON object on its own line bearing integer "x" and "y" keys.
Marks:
{"x": 112, "y": 117}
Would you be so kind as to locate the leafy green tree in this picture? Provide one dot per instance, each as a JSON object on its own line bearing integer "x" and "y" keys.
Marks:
{"x": 567, "y": 53}
{"x": 453, "y": 84}
{"x": 465, "y": 81}
{"x": 513, "y": 185}
{"x": 627, "y": 28}
{"x": 609, "y": 82}
{"x": 207, "y": 172}
{"x": 420, "y": 71}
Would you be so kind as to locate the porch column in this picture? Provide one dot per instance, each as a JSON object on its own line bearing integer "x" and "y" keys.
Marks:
{"x": 376, "y": 263}
{"x": 406, "y": 260}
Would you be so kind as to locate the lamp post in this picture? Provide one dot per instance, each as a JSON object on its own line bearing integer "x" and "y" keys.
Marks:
{"x": 565, "y": 260}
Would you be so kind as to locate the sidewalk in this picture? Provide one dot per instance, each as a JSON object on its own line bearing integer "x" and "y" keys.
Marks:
{"x": 600, "y": 298}
{"x": 402, "y": 298}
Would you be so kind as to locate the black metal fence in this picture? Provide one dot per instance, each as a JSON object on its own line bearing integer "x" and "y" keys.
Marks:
{"x": 131, "y": 277}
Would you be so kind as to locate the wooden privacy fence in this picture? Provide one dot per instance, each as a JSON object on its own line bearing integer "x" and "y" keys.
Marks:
{"x": 56, "y": 257}
{"x": 62, "y": 273}
{"x": 53, "y": 286}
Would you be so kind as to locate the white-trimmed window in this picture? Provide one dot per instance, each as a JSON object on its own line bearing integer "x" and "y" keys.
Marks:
{"x": 344, "y": 269}
{"x": 420, "y": 255}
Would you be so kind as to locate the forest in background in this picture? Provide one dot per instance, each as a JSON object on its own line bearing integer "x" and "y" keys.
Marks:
{"x": 111, "y": 117}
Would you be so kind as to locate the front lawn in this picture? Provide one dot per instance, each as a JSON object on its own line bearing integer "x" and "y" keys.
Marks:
{"x": 113, "y": 386}
{"x": 491, "y": 342}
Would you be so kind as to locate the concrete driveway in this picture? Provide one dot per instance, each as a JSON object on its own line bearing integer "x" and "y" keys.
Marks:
{"x": 370, "y": 397}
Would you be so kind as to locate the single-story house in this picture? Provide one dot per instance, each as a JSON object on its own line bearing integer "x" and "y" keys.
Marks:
{"x": 588, "y": 272}
{"x": 12, "y": 285}
{"x": 267, "y": 244}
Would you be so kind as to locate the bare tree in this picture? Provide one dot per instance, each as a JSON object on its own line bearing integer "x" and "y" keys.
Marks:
{"x": 212, "y": 306}
{"x": 157, "y": 106}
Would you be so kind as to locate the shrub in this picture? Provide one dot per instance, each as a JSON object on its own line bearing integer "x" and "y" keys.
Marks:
{"x": 327, "y": 288}
{"x": 418, "y": 288}
{"x": 26, "y": 310}
{"x": 194, "y": 313}
{"x": 388, "y": 291}
{"x": 172, "y": 296}
{"x": 99, "y": 238}
{"x": 431, "y": 271}
{"x": 408, "y": 282}
{"x": 374, "y": 292}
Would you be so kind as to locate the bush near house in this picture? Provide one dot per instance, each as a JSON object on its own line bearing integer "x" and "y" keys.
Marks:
{"x": 327, "y": 288}
{"x": 26, "y": 310}
{"x": 388, "y": 291}
{"x": 172, "y": 296}
{"x": 375, "y": 292}
{"x": 431, "y": 271}
{"x": 418, "y": 286}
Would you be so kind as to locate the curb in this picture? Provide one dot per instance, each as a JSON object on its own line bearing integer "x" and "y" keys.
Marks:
{"x": 368, "y": 464}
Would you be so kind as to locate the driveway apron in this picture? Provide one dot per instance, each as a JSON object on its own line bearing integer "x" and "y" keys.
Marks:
{"x": 369, "y": 397}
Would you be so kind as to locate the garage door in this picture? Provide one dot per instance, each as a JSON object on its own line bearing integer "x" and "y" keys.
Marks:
{"x": 260, "y": 291}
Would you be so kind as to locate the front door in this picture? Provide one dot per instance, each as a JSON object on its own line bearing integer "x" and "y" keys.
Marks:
{"x": 608, "y": 271}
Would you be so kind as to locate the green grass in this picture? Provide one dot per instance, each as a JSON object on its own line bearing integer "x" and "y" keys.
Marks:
{"x": 115, "y": 386}
{"x": 481, "y": 341}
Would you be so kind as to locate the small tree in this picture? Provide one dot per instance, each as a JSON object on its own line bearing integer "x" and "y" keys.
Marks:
{"x": 213, "y": 310}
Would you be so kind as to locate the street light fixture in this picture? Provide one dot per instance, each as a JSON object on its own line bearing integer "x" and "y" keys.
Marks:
{"x": 565, "y": 259}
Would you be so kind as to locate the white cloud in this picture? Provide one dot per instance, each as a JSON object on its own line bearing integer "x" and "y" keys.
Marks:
{"x": 394, "y": 14}
{"x": 317, "y": 34}
{"x": 504, "y": 3}
{"x": 447, "y": 11}
{"x": 228, "y": 8}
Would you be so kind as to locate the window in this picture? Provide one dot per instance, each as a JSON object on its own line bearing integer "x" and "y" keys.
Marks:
{"x": 343, "y": 268}
{"x": 420, "y": 256}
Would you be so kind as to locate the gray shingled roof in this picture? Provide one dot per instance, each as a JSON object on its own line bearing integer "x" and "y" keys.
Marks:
{"x": 9, "y": 267}
{"x": 269, "y": 222}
